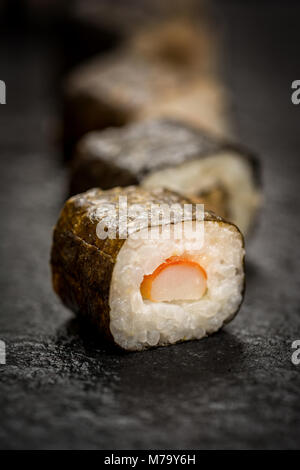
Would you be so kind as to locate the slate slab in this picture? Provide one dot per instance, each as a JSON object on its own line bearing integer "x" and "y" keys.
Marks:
{"x": 236, "y": 389}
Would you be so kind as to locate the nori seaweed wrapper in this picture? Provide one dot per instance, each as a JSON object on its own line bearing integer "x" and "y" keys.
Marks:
{"x": 126, "y": 156}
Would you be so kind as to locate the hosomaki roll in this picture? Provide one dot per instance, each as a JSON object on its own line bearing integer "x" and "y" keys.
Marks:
{"x": 193, "y": 46}
{"x": 131, "y": 83}
{"x": 170, "y": 154}
{"x": 146, "y": 291}
{"x": 203, "y": 106}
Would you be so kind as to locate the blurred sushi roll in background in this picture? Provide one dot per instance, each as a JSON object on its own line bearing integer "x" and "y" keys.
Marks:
{"x": 186, "y": 46}
{"x": 169, "y": 69}
{"x": 143, "y": 291}
{"x": 204, "y": 104}
{"x": 176, "y": 156}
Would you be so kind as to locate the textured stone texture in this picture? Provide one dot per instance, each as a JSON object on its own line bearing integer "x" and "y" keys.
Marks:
{"x": 236, "y": 389}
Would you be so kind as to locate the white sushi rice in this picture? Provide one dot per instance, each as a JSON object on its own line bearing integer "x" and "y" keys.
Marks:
{"x": 226, "y": 168}
{"x": 136, "y": 323}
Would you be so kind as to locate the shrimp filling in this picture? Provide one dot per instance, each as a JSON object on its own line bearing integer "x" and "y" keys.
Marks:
{"x": 176, "y": 279}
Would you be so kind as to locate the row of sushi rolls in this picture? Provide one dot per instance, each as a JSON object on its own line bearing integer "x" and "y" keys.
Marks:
{"x": 149, "y": 123}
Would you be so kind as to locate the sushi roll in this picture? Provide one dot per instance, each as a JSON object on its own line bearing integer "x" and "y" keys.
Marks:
{"x": 112, "y": 91}
{"x": 191, "y": 45}
{"x": 204, "y": 105}
{"x": 143, "y": 291}
{"x": 146, "y": 77}
{"x": 173, "y": 155}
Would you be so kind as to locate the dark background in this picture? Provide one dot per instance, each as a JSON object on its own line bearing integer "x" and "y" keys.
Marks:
{"x": 235, "y": 389}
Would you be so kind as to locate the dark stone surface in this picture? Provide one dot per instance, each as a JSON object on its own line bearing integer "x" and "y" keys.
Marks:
{"x": 236, "y": 389}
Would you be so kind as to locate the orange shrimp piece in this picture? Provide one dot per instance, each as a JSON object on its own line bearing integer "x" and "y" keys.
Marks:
{"x": 177, "y": 278}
